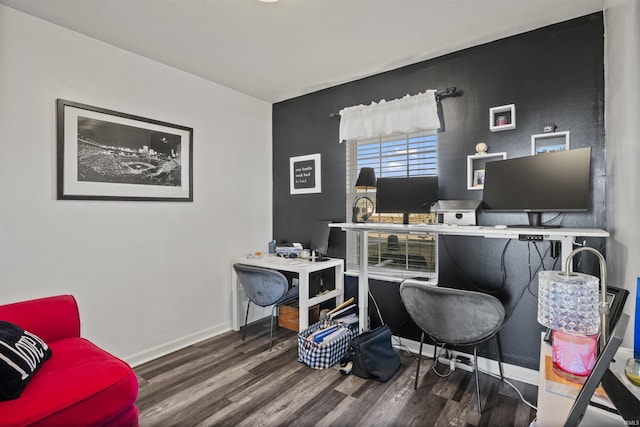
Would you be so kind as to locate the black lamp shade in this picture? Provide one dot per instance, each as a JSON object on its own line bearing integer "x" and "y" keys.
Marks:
{"x": 366, "y": 179}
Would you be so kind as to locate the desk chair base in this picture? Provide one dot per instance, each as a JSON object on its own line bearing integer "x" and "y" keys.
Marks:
{"x": 475, "y": 365}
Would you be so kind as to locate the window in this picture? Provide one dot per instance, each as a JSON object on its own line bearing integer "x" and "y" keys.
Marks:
{"x": 412, "y": 155}
{"x": 401, "y": 156}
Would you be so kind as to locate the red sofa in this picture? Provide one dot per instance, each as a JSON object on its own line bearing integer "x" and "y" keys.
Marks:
{"x": 80, "y": 384}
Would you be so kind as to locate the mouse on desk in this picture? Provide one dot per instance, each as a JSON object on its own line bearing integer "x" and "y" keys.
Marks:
{"x": 500, "y": 226}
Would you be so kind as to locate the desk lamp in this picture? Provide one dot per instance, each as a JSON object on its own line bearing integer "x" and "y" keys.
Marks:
{"x": 571, "y": 305}
{"x": 363, "y": 206}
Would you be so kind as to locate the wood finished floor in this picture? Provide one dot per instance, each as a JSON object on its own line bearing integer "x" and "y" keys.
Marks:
{"x": 223, "y": 381}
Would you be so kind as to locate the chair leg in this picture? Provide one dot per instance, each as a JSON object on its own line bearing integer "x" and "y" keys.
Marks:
{"x": 499, "y": 351}
{"x": 475, "y": 368}
{"x": 415, "y": 386}
{"x": 275, "y": 307}
{"x": 246, "y": 317}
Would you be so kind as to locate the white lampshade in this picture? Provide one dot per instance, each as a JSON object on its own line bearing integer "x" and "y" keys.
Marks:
{"x": 569, "y": 303}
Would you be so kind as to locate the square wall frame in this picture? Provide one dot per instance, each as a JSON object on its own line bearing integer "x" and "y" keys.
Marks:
{"x": 475, "y": 168}
{"x": 550, "y": 142}
{"x": 502, "y": 118}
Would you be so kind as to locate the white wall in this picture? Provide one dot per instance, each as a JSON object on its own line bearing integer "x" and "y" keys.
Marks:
{"x": 149, "y": 276}
{"x": 154, "y": 276}
{"x": 622, "y": 127}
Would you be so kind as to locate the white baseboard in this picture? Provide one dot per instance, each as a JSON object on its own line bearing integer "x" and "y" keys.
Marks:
{"x": 517, "y": 373}
{"x": 175, "y": 345}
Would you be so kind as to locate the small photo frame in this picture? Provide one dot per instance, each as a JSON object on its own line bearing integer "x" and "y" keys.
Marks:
{"x": 478, "y": 178}
{"x": 305, "y": 174}
{"x": 550, "y": 142}
{"x": 476, "y": 164}
{"x": 502, "y": 118}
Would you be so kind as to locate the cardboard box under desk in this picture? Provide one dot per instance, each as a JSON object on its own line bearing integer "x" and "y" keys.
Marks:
{"x": 289, "y": 315}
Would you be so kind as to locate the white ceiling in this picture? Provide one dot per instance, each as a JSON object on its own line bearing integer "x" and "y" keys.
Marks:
{"x": 277, "y": 51}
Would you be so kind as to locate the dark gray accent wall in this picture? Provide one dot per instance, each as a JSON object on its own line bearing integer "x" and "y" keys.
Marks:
{"x": 553, "y": 74}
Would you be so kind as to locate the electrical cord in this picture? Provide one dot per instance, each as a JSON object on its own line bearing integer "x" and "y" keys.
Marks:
{"x": 532, "y": 276}
{"x": 416, "y": 357}
{"x": 377, "y": 307}
{"x": 511, "y": 385}
{"x": 435, "y": 361}
{"x": 464, "y": 276}
{"x": 561, "y": 214}
{"x": 503, "y": 265}
{"x": 503, "y": 270}
{"x": 406, "y": 349}
{"x": 527, "y": 287}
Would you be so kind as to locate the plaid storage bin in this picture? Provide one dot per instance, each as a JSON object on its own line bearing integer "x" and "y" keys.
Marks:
{"x": 323, "y": 355}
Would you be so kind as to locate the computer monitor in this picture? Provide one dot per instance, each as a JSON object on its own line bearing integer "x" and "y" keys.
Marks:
{"x": 549, "y": 182}
{"x": 320, "y": 239}
{"x": 406, "y": 195}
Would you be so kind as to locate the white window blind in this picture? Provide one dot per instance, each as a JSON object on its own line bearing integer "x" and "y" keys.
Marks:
{"x": 409, "y": 155}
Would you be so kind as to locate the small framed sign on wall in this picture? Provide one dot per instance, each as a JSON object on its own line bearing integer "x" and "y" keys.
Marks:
{"x": 305, "y": 174}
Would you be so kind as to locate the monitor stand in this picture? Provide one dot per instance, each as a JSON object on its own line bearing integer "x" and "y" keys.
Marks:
{"x": 535, "y": 221}
{"x": 405, "y": 218}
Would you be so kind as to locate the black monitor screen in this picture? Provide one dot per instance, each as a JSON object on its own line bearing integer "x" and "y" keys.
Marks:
{"x": 320, "y": 239}
{"x": 549, "y": 182}
{"x": 406, "y": 195}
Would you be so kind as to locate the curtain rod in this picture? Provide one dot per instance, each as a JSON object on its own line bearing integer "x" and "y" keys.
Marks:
{"x": 444, "y": 93}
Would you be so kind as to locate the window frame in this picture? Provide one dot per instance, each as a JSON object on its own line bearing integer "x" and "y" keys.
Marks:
{"x": 420, "y": 151}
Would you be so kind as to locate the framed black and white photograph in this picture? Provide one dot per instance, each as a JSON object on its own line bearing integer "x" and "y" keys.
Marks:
{"x": 305, "y": 174}
{"x": 108, "y": 155}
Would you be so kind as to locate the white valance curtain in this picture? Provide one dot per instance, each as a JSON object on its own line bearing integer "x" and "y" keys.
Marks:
{"x": 417, "y": 113}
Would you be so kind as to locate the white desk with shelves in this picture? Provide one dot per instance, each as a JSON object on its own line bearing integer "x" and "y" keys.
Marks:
{"x": 300, "y": 266}
{"x": 566, "y": 237}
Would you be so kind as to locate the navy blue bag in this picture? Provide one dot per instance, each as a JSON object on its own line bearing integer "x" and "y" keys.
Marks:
{"x": 373, "y": 356}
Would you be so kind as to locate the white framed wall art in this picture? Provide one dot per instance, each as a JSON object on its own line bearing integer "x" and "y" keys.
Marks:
{"x": 305, "y": 175}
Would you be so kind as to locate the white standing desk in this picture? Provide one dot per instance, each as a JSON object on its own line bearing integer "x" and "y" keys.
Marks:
{"x": 566, "y": 237}
{"x": 294, "y": 265}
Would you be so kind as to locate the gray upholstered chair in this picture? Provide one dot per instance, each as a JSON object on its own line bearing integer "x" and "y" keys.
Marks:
{"x": 264, "y": 287}
{"x": 454, "y": 316}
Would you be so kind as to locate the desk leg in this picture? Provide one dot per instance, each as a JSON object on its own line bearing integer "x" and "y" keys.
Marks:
{"x": 339, "y": 281}
{"x": 234, "y": 300}
{"x": 566, "y": 246}
{"x": 363, "y": 282}
{"x": 303, "y": 301}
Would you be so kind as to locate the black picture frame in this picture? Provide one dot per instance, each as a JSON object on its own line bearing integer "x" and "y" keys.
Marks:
{"x": 597, "y": 374}
{"x": 108, "y": 155}
{"x": 616, "y": 298}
